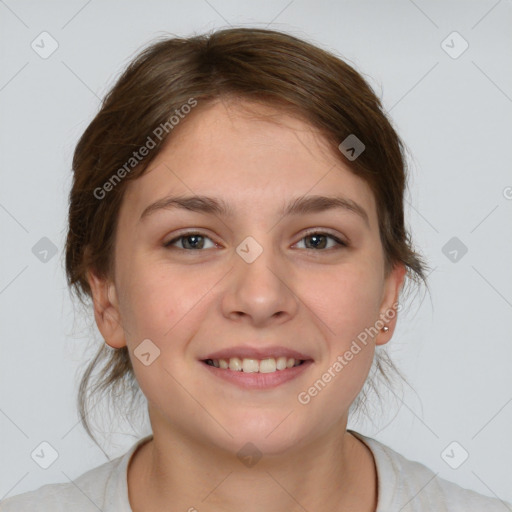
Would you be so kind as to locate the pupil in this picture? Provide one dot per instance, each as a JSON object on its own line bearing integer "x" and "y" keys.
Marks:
{"x": 317, "y": 237}
{"x": 195, "y": 243}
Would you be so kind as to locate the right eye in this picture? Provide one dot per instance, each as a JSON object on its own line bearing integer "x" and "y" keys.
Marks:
{"x": 190, "y": 241}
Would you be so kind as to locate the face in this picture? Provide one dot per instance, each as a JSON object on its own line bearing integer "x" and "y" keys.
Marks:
{"x": 263, "y": 275}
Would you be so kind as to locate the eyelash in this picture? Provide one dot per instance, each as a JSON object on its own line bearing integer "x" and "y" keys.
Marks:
{"x": 340, "y": 243}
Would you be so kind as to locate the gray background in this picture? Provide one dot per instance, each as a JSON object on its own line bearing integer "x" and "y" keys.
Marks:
{"x": 454, "y": 114}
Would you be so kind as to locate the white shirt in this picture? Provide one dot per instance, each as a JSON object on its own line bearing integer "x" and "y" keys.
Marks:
{"x": 403, "y": 485}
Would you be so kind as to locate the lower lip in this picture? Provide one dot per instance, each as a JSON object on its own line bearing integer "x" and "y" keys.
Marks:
{"x": 258, "y": 380}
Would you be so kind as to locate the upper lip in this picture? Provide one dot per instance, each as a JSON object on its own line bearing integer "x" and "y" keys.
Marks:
{"x": 245, "y": 352}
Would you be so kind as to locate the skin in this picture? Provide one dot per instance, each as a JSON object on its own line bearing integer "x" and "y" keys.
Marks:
{"x": 189, "y": 302}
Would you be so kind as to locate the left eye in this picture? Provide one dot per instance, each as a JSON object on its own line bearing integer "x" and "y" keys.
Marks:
{"x": 320, "y": 241}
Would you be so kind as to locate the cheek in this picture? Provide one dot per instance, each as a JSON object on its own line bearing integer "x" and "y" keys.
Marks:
{"x": 346, "y": 300}
{"x": 162, "y": 304}
{"x": 347, "y": 303}
{"x": 148, "y": 307}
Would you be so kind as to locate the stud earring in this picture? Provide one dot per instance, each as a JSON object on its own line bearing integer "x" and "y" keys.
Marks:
{"x": 385, "y": 328}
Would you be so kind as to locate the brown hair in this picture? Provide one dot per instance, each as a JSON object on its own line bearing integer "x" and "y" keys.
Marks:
{"x": 247, "y": 63}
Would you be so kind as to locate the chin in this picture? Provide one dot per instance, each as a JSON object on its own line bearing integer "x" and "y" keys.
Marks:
{"x": 262, "y": 431}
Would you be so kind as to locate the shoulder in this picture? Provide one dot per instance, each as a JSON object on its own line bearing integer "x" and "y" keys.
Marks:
{"x": 101, "y": 488}
{"x": 85, "y": 493}
{"x": 410, "y": 486}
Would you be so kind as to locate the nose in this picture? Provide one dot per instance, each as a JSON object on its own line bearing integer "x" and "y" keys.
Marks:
{"x": 260, "y": 292}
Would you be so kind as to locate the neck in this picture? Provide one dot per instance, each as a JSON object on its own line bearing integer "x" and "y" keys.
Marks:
{"x": 336, "y": 472}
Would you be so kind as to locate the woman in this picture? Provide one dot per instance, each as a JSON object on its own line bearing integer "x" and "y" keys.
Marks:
{"x": 237, "y": 218}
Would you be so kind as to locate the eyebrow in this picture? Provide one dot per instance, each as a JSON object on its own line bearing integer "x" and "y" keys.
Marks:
{"x": 299, "y": 206}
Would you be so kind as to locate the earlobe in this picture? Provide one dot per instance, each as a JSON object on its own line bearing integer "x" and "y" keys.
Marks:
{"x": 390, "y": 304}
{"x": 106, "y": 310}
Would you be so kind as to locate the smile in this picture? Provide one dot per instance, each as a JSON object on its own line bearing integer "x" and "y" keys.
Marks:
{"x": 248, "y": 365}
{"x": 256, "y": 374}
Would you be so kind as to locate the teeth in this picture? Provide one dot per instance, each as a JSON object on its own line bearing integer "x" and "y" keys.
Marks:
{"x": 235, "y": 364}
{"x": 268, "y": 365}
{"x": 281, "y": 363}
{"x": 250, "y": 365}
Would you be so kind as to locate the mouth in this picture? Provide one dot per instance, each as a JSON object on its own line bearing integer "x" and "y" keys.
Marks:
{"x": 250, "y": 365}
{"x": 256, "y": 369}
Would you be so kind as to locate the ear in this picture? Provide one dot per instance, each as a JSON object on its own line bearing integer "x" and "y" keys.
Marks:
{"x": 388, "y": 307}
{"x": 106, "y": 310}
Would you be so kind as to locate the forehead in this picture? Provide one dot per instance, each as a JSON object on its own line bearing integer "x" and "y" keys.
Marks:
{"x": 250, "y": 155}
